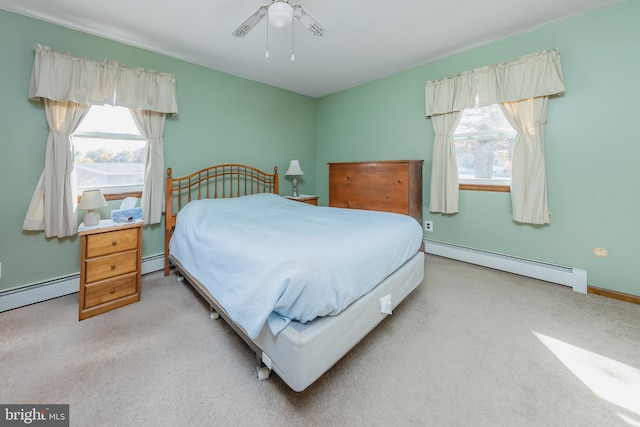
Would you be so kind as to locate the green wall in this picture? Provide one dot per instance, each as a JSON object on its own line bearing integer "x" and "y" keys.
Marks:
{"x": 222, "y": 119}
{"x": 592, "y": 146}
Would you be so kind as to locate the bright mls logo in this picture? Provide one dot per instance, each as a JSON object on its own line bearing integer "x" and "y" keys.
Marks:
{"x": 34, "y": 415}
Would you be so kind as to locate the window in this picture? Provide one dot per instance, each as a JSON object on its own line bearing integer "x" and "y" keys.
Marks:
{"x": 484, "y": 142}
{"x": 109, "y": 151}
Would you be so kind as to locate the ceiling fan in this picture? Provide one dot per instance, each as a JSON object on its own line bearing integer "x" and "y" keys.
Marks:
{"x": 280, "y": 13}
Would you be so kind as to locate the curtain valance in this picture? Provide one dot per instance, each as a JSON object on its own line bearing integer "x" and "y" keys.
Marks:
{"x": 64, "y": 77}
{"x": 530, "y": 76}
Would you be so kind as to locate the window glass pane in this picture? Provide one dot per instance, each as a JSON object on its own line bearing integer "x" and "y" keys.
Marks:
{"x": 484, "y": 142}
{"x": 105, "y": 118}
{"x": 104, "y": 163}
{"x": 105, "y": 160}
{"x": 489, "y": 118}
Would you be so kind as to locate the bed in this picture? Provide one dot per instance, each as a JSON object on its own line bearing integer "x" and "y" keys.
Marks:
{"x": 300, "y": 284}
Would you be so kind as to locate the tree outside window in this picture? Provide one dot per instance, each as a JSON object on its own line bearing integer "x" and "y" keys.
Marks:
{"x": 484, "y": 145}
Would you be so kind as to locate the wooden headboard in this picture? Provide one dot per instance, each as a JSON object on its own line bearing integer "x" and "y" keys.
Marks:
{"x": 220, "y": 181}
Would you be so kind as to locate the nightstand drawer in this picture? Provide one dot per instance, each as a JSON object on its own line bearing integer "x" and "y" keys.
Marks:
{"x": 111, "y": 266}
{"x": 110, "y": 261}
{"x": 108, "y": 243}
{"x": 109, "y": 290}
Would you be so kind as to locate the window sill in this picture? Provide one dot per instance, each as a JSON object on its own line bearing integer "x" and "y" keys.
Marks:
{"x": 481, "y": 187}
{"x": 118, "y": 196}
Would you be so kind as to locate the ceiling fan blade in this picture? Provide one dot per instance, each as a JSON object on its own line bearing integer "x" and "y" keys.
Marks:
{"x": 308, "y": 21}
{"x": 251, "y": 21}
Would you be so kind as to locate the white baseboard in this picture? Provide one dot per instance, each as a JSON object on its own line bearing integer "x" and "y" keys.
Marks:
{"x": 42, "y": 291}
{"x": 576, "y": 278}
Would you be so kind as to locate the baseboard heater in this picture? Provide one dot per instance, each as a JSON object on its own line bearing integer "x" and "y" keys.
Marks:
{"x": 576, "y": 278}
{"x": 42, "y": 291}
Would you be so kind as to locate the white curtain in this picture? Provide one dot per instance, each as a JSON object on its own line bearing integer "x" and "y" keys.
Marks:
{"x": 443, "y": 195}
{"x": 530, "y": 76}
{"x": 53, "y": 205}
{"x": 529, "y": 176}
{"x": 538, "y": 75}
{"x": 63, "y": 77}
{"x": 151, "y": 126}
{"x": 67, "y": 82}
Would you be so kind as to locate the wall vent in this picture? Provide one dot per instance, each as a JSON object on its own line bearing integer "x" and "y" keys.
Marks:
{"x": 576, "y": 278}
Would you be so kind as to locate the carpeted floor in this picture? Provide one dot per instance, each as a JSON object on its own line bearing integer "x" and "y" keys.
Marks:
{"x": 470, "y": 347}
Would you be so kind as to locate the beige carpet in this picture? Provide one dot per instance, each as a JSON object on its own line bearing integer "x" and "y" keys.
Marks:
{"x": 470, "y": 347}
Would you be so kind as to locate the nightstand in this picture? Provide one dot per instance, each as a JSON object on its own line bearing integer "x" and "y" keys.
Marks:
{"x": 305, "y": 198}
{"x": 110, "y": 261}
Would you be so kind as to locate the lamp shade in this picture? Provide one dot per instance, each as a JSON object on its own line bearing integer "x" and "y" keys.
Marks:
{"x": 280, "y": 14}
{"x": 92, "y": 199}
{"x": 294, "y": 169}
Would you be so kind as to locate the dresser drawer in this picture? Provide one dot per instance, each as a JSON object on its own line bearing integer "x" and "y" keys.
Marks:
{"x": 110, "y": 266}
{"x": 109, "y": 290}
{"x": 108, "y": 243}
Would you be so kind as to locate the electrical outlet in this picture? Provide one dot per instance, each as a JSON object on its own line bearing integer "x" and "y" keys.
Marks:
{"x": 428, "y": 226}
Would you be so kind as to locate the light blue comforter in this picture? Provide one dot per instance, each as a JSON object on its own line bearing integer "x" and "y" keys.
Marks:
{"x": 266, "y": 258}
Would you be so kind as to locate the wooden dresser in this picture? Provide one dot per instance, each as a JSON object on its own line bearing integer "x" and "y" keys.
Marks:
{"x": 390, "y": 186}
{"x": 110, "y": 261}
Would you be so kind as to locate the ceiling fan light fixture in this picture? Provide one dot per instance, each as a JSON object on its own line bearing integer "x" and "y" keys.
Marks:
{"x": 280, "y": 14}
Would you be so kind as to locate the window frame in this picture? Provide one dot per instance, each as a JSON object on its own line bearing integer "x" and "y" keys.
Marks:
{"x": 113, "y": 192}
{"x": 498, "y": 185}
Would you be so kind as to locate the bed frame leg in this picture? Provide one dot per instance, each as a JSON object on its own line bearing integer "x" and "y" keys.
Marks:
{"x": 264, "y": 369}
{"x": 263, "y": 372}
{"x": 214, "y": 314}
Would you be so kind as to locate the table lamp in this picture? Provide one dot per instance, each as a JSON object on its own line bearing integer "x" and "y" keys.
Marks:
{"x": 90, "y": 201}
{"x": 295, "y": 171}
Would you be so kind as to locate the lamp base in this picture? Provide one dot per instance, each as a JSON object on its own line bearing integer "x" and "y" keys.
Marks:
{"x": 295, "y": 187}
{"x": 91, "y": 218}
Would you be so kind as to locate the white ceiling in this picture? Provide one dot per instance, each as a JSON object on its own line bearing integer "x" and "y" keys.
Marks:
{"x": 365, "y": 39}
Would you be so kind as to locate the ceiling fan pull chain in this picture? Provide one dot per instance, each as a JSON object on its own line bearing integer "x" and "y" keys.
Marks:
{"x": 293, "y": 55}
{"x": 266, "y": 54}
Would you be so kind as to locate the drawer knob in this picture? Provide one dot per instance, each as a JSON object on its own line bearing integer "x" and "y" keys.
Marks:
{"x": 113, "y": 290}
{"x": 115, "y": 242}
{"x": 113, "y": 266}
